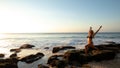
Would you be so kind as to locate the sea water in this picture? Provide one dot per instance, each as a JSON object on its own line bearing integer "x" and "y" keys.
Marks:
{"x": 42, "y": 40}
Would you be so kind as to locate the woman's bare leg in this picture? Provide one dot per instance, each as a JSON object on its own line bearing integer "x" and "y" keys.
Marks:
{"x": 86, "y": 49}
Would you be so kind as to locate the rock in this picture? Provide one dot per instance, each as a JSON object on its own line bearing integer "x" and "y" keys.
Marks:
{"x": 54, "y": 57}
{"x": 56, "y": 49}
{"x": 40, "y": 55}
{"x": 75, "y": 57}
{"x": 110, "y": 42}
{"x": 103, "y": 55}
{"x": 2, "y": 55}
{"x": 55, "y": 61}
{"x": 8, "y": 63}
{"x": 32, "y": 58}
{"x": 15, "y": 50}
{"x": 42, "y": 66}
{"x": 8, "y": 66}
{"x": 86, "y": 66}
{"x": 14, "y": 55}
{"x": 60, "y": 64}
{"x": 46, "y": 48}
{"x": 115, "y": 48}
{"x": 25, "y": 46}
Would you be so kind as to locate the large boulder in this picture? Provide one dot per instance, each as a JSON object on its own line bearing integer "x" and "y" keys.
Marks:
{"x": 79, "y": 57}
{"x": 103, "y": 55}
{"x": 14, "y": 55}
{"x": 24, "y": 46}
{"x": 32, "y": 58}
{"x": 8, "y": 63}
{"x": 56, "y": 49}
{"x": 54, "y": 57}
{"x": 75, "y": 57}
{"x": 56, "y": 61}
{"x": 112, "y": 47}
{"x": 2, "y": 55}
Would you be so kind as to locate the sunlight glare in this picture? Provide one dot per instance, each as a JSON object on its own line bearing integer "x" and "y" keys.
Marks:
{"x": 2, "y": 36}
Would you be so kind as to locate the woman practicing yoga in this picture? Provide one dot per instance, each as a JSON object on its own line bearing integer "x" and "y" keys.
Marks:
{"x": 90, "y": 36}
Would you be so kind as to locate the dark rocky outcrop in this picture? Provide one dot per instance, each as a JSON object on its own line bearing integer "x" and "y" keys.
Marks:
{"x": 56, "y": 61}
{"x": 2, "y": 55}
{"x": 56, "y": 49}
{"x": 46, "y": 48}
{"x": 13, "y": 59}
{"x": 8, "y": 63}
{"x": 75, "y": 57}
{"x": 24, "y": 46}
{"x": 54, "y": 57}
{"x": 112, "y": 47}
{"x": 103, "y": 55}
{"x": 70, "y": 59}
{"x": 32, "y": 58}
{"x": 15, "y": 50}
{"x": 42, "y": 66}
{"x": 95, "y": 55}
{"x": 60, "y": 64}
{"x": 14, "y": 55}
{"x": 78, "y": 57}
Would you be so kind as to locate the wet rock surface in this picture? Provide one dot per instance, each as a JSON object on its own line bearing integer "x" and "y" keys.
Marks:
{"x": 32, "y": 58}
{"x": 25, "y": 46}
{"x": 112, "y": 47}
{"x": 46, "y": 48}
{"x": 8, "y": 63}
{"x": 74, "y": 56}
{"x": 103, "y": 55}
{"x": 56, "y": 61}
{"x": 2, "y": 55}
{"x": 15, "y": 50}
{"x": 14, "y": 55}
{"x": 78, "y": 57}
{"x": 56, "y": 49}
{"x": 13, "y": 59}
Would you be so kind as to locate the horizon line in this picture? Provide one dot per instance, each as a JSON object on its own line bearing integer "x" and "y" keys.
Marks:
{"x": 50, "y": 32}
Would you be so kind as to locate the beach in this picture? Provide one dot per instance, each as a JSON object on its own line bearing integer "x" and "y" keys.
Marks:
{"x": 59, "y": 33}
{"x": 45, "y": 42}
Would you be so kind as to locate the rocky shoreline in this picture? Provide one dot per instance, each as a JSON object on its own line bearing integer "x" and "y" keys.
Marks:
{"x": 70, "y": 58}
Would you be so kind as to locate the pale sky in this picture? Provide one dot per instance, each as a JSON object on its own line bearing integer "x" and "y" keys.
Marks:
{"x": 28, "y": 16}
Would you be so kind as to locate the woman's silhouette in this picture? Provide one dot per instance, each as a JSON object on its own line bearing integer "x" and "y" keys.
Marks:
{"x": 90, "y": 36}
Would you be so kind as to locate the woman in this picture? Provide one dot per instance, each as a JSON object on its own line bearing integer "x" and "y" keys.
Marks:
{"x": 90, "y": 36}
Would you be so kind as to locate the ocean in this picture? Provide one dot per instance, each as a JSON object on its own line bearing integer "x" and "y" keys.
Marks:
{"x": 42, "y": 40}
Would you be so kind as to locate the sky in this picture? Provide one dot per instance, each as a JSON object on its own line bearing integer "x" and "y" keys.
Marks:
{"x": 31, "y": 16}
